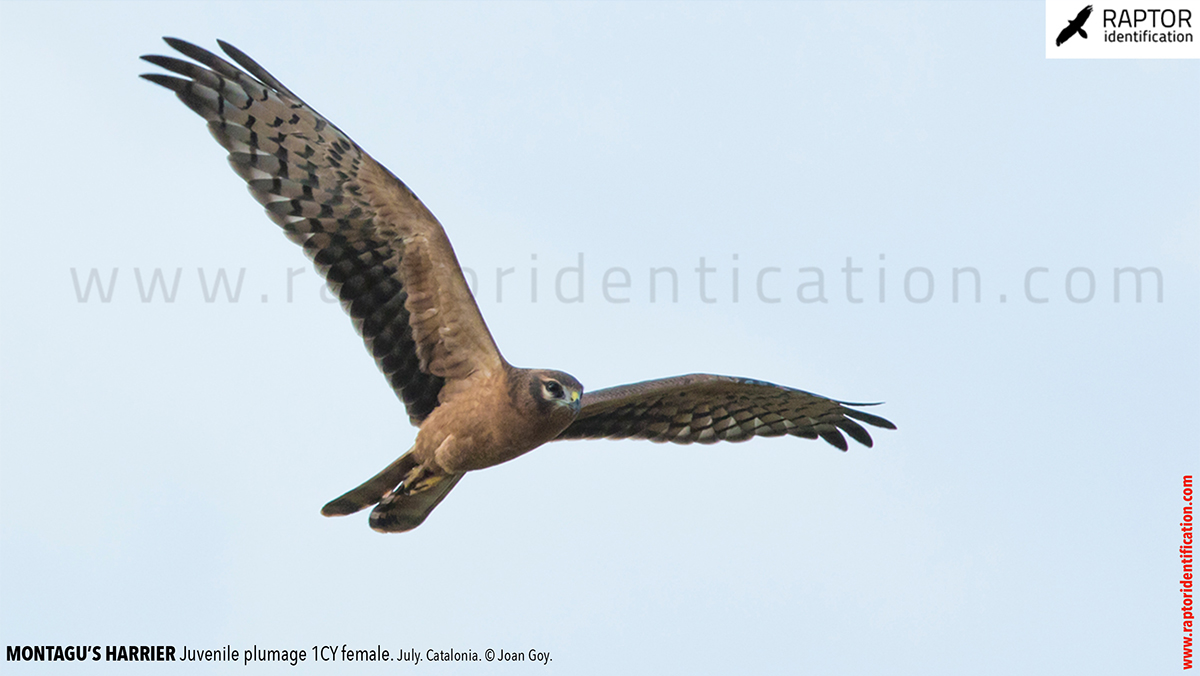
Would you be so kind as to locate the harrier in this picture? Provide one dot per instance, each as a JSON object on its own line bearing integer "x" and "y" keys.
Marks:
{"x": 389, "y": 261}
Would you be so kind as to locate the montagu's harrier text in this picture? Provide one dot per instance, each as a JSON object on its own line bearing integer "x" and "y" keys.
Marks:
{"x": 389, "y": 261}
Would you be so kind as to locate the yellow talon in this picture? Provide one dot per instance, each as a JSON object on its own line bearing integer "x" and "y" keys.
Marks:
{"x": 419, "y": 480}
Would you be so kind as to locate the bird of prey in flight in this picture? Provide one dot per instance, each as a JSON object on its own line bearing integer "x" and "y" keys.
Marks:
{"x": 388, "y": 260}
{"x": 1075, "y": 26}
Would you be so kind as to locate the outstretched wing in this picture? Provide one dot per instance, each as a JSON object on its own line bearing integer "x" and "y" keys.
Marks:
{"x": 381, "y": 251}
{"x": 705, "y": 409}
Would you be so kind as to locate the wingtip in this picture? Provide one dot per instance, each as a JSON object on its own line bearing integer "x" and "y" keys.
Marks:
{"x": 176, "y": 42}
{"x": 168, "y": 62}
{"x": 834, "y": 437}
{"x": 854, "y": 431}
{"x": 175, "y": 84}
{"x": 180, "y": 45}
{"x": 870, "y": 419}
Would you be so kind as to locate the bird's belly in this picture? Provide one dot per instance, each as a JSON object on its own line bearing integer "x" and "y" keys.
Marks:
{"x": 465, "y": 457}
{"x": 466, "y": 438}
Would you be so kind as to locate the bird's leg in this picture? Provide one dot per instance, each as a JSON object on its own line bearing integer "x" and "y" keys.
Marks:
{"x": 419, "y": 479}
{"x": 427, "y": 474}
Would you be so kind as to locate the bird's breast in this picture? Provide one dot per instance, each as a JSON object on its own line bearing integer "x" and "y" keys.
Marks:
{"x": 478, "y": 433}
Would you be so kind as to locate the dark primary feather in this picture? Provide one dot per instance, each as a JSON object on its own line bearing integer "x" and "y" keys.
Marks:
{"x": 705, "y": 409}
{"x": 304, "y": 172}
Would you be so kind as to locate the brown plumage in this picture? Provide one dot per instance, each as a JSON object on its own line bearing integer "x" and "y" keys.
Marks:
{"x": 389, "y": 261}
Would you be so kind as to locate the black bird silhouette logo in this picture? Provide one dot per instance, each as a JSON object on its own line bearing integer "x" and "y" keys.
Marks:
{"x": 1076, "y": 26}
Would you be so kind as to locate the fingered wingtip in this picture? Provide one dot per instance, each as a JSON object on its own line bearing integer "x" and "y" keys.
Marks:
{"x": 175, "y": 84}
{"x": 182, "y": 46}
{"x": 863, "y": 416}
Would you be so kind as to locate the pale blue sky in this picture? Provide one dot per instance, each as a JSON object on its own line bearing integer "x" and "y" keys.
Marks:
{"x": 162, "y": 465}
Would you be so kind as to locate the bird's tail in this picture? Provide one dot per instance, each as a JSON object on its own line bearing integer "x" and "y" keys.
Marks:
{"x": 398, "y": 509}
{"x": 401, "y": 511}
{"x": 373, "y": 489}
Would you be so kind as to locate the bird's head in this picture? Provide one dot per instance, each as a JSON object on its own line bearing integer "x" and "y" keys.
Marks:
{"x": 556, "y": 391}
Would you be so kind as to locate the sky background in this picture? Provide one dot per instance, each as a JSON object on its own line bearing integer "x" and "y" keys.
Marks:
{"x": 162, "y": 464}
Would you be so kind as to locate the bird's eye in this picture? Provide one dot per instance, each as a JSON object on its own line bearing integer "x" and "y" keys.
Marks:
{"x": 554, "y": 389}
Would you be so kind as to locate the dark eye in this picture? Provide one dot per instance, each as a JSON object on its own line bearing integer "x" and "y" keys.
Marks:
{"x": 554, "y": 389}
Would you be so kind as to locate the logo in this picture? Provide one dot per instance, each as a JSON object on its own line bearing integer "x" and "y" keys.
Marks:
{"x": 1076, "y": 26}
{"x": 1122, "y": 29}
